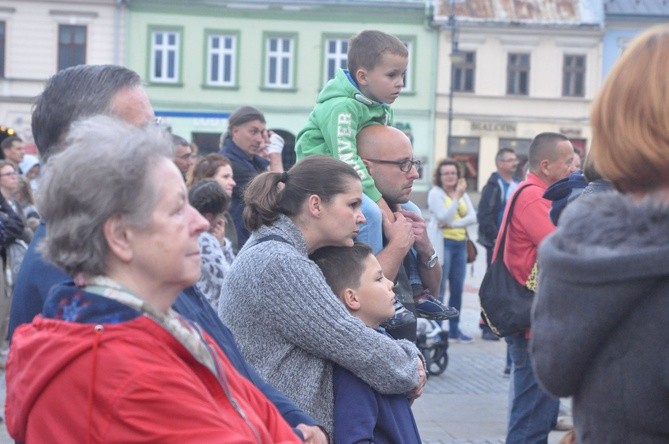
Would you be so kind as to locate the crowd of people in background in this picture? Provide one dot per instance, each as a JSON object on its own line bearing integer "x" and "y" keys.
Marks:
{"x": 180, "y": 297}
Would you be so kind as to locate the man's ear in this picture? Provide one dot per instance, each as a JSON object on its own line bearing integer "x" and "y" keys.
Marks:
{"x": 314, "y": 205}
{"x": 351, "y": 300}
{"x": 543, "y": 167}
{"x": 118, "y": 235}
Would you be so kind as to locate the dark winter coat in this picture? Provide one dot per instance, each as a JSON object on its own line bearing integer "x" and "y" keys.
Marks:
{"x": 600, "y": 317}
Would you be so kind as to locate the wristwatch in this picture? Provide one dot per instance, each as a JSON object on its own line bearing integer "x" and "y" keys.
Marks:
{"x": 432, "y": 261}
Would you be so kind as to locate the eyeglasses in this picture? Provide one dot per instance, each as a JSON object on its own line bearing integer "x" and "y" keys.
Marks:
{"x": 12, "y": 174}
{"x": 404, "y": 165}
{"x": 186, "y": 156}
{"x": 509, "y": 160}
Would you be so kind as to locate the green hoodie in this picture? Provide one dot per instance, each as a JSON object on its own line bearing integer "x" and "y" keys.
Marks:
{"x": 341, "y": 111}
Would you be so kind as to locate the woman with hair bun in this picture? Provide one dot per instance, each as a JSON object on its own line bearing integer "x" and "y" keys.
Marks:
{"x": 287, "y": 321}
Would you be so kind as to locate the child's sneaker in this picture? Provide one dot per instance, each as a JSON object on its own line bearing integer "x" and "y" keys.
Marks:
{"x": 429, "y": 308}
{"x": 401, "y": 317}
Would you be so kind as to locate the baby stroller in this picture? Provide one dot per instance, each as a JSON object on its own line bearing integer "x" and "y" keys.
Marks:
{"x": 432, "y": 341}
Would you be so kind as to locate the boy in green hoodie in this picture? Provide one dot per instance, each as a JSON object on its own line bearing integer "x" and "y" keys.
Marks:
{"x": 355, "y": 98}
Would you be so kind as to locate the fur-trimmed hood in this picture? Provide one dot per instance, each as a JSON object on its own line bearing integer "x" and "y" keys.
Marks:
{"x": 609, "y": 255}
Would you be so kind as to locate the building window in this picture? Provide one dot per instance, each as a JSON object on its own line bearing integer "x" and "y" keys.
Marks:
{"x": 2, "y": 49}
{"x": 71, "y": 46}
{"x": 573, "y": 76}
{"x": 465, "y": 151}
{"x": 518, "y": 74}
{"x": 164, "y": 56}
{"x": 463, "y": 72}
{"x": 408, "y": 84}
{"x": 336, "y": 52}
{"x": 279, "y": 62}
{"x": 221, "y": 51}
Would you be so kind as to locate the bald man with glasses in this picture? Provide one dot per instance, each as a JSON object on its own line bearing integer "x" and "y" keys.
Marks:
{"x": 407, "y": 257}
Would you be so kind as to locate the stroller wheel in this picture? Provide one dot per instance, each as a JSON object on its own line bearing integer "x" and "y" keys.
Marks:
{"x": 437, "y": 360}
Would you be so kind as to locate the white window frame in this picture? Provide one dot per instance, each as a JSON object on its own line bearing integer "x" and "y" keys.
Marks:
{"x": 408, "y": 76}
{"x": 166, "y": 50}
{"x": 516, "y": 71}
{"x": 572, "y": 74}
{"x": 225, "y": 56}
{"x": 281, "y": 58}
{"x": 339, "y": 57}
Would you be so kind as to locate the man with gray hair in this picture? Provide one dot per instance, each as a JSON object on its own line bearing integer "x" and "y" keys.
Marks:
{"x": 245, "y": 142}
{"x": 84, "y": 91}
{"x": 184, "y": 158}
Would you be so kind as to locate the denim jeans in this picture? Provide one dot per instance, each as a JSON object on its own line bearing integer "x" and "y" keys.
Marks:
{"x": 371, "y": 232}
{"x": 453, "y": 272}
{"x": 532, "y": 412}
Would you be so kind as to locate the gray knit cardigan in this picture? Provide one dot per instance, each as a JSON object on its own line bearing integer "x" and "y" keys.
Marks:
{"x": 291, "y": 327}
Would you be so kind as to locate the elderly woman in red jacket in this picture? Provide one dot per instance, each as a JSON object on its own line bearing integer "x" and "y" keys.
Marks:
{"x": 109, "y": 360}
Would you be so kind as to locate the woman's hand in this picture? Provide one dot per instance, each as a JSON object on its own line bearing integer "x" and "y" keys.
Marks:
{"x": 422, "y": 380}
{"x": 461, "y": 187}
{"x": 313, "y": 434}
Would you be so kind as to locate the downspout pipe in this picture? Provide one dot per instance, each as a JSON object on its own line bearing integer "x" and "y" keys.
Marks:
{"x": 118, "y": 12}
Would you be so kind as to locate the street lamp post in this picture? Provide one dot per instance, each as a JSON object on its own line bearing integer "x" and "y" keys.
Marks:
{"x": 455, "y": 58}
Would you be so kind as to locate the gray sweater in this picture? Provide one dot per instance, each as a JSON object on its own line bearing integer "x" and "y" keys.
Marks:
{"x": 292, "y": 328}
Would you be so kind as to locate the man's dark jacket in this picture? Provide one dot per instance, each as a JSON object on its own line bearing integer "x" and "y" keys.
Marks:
{"x": 489, "y": 207}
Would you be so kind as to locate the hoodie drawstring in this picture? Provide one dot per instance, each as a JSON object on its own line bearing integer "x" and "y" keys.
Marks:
{"x": 98, "y": 329}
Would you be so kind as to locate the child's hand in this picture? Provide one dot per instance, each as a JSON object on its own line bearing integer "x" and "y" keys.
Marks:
{"x": 419, "y": 229}
{"x": 399, "y": 232}
{"x": 218, "y": 230}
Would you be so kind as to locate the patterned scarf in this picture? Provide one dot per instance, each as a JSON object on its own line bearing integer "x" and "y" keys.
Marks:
{"x": 188, "y": 334}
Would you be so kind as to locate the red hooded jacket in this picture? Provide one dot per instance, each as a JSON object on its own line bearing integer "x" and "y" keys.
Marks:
{"x": 70, "y": 382}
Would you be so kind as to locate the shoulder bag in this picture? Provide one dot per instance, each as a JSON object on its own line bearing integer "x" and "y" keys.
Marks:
{"x": 472, "y": 251}
{"x": 505, "y": 302}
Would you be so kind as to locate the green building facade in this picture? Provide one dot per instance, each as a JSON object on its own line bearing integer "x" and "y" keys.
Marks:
{"x": 201, "y": 59}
